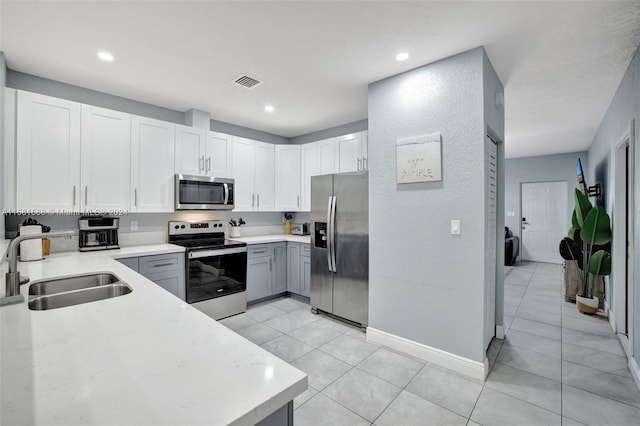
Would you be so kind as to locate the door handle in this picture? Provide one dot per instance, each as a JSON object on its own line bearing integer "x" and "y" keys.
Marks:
{"x": 74, "y": 195}
{"x": 200, "y": 163}
{"x": 208, "y": 165}
{"x": 298, "y": 202}
{"x": 86, "y": 195}
{"x": 359, "y": 159}
{"x": 253, "y": 200}
{"x": 328, "y": 234}
{"x": 258, "y": 203}
{"x": 333, "y": 233}
{"x": 135, "y": 197}
{"x": 365, "y": 163}
{"x": 226, "y": 193}
{"x": 270, "y": 266}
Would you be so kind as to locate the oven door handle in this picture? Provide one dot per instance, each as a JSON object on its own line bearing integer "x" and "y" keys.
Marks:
{"x": 198, "y": 254}
{"x": 226, "y": 193}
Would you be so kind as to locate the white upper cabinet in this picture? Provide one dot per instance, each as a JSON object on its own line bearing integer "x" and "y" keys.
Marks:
{"x": 288, "y": 196}
{"x": 350, "y": 153}
{"x": 327, "y": 157}
{"x": 218, "y": 158}
{"x": 152, "y": 165}
{"x": 254, "y": 174}
{"x": 309, "y": 159}
{"x": 243, "y": 172}
{"x": 105, "y": 159}
{"x": 202, "y": 153}
{"x": 265, "y": 177}
{"x": 190, "y": 150}
{"x": 47, "y": 153}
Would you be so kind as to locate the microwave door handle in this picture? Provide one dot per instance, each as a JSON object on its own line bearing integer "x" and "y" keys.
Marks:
{"x": 226, "y": 193}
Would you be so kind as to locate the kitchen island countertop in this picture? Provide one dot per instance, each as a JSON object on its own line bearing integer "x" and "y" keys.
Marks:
{"x": 143, "y": 358}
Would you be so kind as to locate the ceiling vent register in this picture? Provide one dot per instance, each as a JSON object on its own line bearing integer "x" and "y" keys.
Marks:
{"x": 247, "y": 82}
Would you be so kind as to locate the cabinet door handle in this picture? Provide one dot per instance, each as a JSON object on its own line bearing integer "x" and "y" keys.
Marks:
{"x": 365, "y": 163}
{"x": 259, "y": 251}
{"x": 258, "y": 205}
{"x": 298, "y": 202}
{"x": 86, "y": 195}
{"x": 270, "y": 266}
{"x": 359, "y": 159}
{"x": 253, "y": 199}
{"x": 74, "y": 195}
{"x": 135, "y": 197}
{"x": 208, "y": 164}
{"x": 201, "y": 164}
{"x": 157, "y": 265}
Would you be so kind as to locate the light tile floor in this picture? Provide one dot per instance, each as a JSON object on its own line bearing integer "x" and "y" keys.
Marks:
{"x": 556, "y": 366}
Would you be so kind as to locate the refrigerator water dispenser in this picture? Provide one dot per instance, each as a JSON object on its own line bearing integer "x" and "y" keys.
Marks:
{"x": 321, "y": 234}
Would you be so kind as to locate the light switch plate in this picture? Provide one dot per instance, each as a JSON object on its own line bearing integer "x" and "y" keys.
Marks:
{"x": 455, "y": 227}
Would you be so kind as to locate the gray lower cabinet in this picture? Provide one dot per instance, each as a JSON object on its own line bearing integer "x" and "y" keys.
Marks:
{"x": 299, "y": 268}
{"x": 293, "y": 268}
{"x": 266, "y": 270}
{"x": 166, "y": 270}
{"x": 305, "y": 269}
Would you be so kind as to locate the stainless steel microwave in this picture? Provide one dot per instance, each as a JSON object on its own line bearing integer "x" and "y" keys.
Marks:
{"x": 203, "y": 193}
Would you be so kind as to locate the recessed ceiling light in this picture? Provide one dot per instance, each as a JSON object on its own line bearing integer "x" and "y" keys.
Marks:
{"x": 402, "y": 56}
{"x": 269, "y": 108}
{"x": 105, "y": 56}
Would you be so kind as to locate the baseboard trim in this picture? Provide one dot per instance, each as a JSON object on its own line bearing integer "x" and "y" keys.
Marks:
{"x": 610, "y": 316}
{"x": 468, "y": 367}
{"x": 500, "y": 332}
{"x": 635, "y": 371}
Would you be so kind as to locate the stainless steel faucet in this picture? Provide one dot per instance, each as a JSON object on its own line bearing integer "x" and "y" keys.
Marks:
{"x": 12, "y": 278}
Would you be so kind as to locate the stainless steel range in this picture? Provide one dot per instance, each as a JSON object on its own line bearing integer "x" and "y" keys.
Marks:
{"x": 216, "y": 275}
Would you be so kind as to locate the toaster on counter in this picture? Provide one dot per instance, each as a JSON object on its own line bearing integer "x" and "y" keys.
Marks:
{"x": 300, "y": 228}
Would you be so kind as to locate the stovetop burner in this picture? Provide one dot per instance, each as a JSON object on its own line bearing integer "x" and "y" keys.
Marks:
{"x": 207, "y": 235}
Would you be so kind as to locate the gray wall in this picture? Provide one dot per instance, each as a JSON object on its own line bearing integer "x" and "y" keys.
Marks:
{"x": 31, "y": 83}
{"x": 545, "y": 168}
{"x": 356, "y": 126}
{"x": 425, "y": 284}
{"x": 494, "y": 126}
{"x": 624, "y": 107}
{"x": 3, "y": 83}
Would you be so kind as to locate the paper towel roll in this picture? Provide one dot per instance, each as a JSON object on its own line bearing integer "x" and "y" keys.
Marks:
{"x": 31, "y": 249}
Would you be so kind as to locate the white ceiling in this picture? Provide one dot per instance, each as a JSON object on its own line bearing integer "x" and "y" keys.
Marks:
{"x": 560, "y": 62}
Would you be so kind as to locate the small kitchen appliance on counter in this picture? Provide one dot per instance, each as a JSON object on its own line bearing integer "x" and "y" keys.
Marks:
{"x": 216, "y": 275}
{"x": 98, "y": 233}
{"x": 300, "y": 228}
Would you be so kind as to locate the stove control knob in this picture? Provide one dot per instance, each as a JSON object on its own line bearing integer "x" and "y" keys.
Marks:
{"x": 182, "y": 226}
{"x": 176, "y": 227}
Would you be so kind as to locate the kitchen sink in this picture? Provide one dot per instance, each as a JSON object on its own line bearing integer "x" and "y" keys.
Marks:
{"x": 77, "y": 297}
{"x": 60, "y": 285}
{"x": 68, "y": 291}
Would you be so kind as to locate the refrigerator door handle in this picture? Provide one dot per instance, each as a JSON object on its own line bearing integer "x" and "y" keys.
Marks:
{"x": 328, "y": 236}
{"x": 333, "y": 235}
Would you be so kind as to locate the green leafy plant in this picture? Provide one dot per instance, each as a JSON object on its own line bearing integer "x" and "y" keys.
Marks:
{"x": 588, "y": 242}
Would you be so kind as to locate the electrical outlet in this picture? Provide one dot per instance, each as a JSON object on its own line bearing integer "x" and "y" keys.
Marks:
{"x": 134, "y": 225}
{"x": 455, "y": 227}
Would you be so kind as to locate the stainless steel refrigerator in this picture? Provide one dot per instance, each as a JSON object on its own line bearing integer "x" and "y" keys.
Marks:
{"x": 340, "y": 245}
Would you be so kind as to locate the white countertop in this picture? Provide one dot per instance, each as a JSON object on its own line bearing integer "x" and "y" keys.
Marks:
{"x": 143, "y": 358}
{"x": 263, "y": 239}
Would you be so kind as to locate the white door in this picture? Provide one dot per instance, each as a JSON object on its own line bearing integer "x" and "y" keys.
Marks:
{"x": 265, "y": 176}
{"x": 243, "y": 173}
{"x": 544, "y": 220}
{"x": 219, "y": 155}
{"x": 105, "y": 159}
{"x": 348, "y": 150}
{"x": 190, "y": 156}
{"x": 287, "y": 178}
{"x": 310, "y": 165}
{"x": 152, "y": 165}
{"x": 47, "y": 153}
{"x": 491, "y": 211}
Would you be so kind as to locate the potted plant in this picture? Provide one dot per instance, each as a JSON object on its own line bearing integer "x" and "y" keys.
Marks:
{"x": 588, "y": 244}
